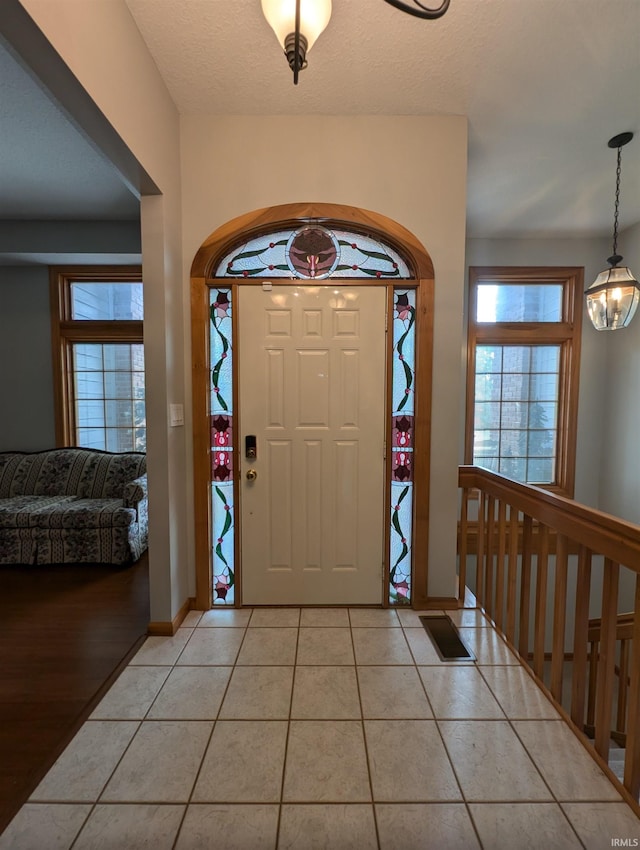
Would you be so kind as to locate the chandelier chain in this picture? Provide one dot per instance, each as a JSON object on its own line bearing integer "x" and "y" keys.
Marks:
{"x": 615, "y": 217}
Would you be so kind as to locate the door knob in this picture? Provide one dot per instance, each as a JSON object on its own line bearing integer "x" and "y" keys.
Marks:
{"x": 251, "y": 474}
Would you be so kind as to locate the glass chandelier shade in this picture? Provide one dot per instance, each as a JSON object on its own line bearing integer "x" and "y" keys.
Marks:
{"x": 612, "y": 299}
{"x": 282, "y": 17}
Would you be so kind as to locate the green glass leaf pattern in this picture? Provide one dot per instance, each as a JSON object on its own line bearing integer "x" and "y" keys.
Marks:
{"x": 395, "y": 521}
{"x": 215, "y": 372}
{"x": 408, "y": 370}
{"x": 360, "y": 255}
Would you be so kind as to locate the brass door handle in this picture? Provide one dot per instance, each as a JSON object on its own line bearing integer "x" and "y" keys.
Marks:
{"x": 251, "y": 475}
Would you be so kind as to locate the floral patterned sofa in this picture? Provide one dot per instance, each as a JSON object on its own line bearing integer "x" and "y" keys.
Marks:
{"x": 72, "y": 505}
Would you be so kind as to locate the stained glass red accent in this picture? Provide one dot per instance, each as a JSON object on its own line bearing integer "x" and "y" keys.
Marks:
{"x": 401, "y": 465}
{"x": 402, "y": 434}
{"x": 221, "y": 431}
{"x": 221, "y": 465}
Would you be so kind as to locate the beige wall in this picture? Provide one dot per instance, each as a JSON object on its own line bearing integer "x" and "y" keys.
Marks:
{"x": 620, "y": 400}
{"x": 411, "y": 169}
{"x": 100, "y": 43}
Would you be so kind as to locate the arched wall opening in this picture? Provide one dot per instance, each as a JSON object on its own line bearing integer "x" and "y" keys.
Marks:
{"x": 207, "y": 277}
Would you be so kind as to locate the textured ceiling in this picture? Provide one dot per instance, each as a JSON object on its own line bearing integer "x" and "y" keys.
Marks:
{"x": 544, "y": 84}
{"x": 48, "y": 170}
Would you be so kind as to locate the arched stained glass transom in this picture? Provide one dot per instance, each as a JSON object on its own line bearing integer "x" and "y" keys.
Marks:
{"x": 313, "y": 252}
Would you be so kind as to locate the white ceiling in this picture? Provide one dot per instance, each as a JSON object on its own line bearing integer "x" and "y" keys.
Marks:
{"x": 544, "y": 83}
{"x": 48, "y": 170}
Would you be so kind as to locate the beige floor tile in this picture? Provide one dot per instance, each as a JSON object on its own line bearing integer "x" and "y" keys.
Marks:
{"x": 134, "y": 827}
{"x": 373, "y": 618}
{"x": 325, "y": 693}
{"x": 80, "y": 774}
{"x": 568, "y": 769}
{"x": 469, "y": 618}
{"x": 410, "y": 619}
{"x": 459, "y": 692}
{"x": 40, "y": 826}
{"x": 243, "y": 763}
{"x": 392, "y": 693}
{"x": 318, "y": 827}
{"x": 271, "y": 646}
{"x": 275, "y": 617}
{"x": 326, "y": 762}
{"x": 408, "y": 762}
{"x": 536, "y": 826}
{"x": 380, "y": 646}
{"x": 192, "y": 619}
{"x": 422, "y": 648}
{"x": 488, "y": 646}
{"x": 161, "y": 763}
{"x": 426, "y": 826}
{"x": 191, "y": 693}
{"x": 597, "y": 824}
{"x": 216, "y": 647}
{"x": 132, "y": 694}
{"x": 162, "y": 650}
{"x": 329, "y": 617}
{"x": 490, "y": 762}
{"x": 225, "y": 618}
{"x": 258, "y": 693}
{"x": 517, "y": 693}
{"x": 229, "y": 827}
{"x": 325, "y": 646}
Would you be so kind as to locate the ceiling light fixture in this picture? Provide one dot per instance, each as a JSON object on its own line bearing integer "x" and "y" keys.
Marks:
{"x": 613, "y": 297}
{"x": 298, "y": 23}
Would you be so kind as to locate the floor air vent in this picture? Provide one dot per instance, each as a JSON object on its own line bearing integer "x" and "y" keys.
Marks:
{"x": 444, "y": 636}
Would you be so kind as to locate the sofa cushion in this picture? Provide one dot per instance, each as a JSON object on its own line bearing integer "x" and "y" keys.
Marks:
{"x": 112, "y": 474}
{"x": 13, "y": 473}
{"x": 83, "y": 513}
{"x": 69, "y": 472}
{"x": 16, "y": 512}
{"x": 135, "y": 491}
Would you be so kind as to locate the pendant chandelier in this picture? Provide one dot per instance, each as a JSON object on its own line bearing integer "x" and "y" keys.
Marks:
{"x": 613, "y": 297}
{"x": 298, "y": 23}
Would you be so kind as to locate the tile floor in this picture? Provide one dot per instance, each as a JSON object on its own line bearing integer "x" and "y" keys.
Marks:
{"x": 322, "y": 728}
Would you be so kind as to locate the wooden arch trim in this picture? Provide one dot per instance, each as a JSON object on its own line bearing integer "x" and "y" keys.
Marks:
{"x": 205, "y": 260}
{"x": 295, "y": 215}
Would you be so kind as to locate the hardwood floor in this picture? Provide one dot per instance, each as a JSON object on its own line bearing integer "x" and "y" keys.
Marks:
{"x": 65, "y": 632}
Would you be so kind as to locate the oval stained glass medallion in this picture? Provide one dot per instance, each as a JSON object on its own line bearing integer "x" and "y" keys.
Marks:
{"x": 313, "y": 252}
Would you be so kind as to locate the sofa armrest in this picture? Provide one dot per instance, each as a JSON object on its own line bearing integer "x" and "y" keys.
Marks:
{"x": 135, "y": 491}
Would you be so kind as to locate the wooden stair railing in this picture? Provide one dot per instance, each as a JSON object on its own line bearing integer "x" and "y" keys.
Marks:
{"x": 538, "y": 556}
{"x": 624, "y": 640}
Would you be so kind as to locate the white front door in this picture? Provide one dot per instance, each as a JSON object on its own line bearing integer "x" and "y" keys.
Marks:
{"x": 312, "y": 379}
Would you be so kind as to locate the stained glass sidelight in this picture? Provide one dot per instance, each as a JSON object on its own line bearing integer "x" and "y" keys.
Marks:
{"x": 221, "y": 418}
{"x": 402, "y": 444}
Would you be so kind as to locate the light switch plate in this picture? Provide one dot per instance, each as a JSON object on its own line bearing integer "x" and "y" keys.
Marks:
{"x": 176, "y": 415}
